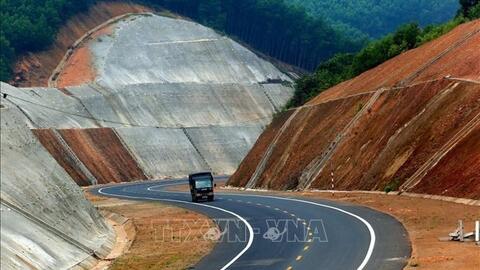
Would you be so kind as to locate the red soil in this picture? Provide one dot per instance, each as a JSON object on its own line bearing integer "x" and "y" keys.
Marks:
{"x": 401, "y": 67}
{"x": 50, "y": 142}
{"x": 34, "y": 69}
{"x": 100, "y": 150}
{"x": 458, "y": 173}
{"x": 463, "y": 61}
{"x": 405, "y": 128}
{"x": 78, "y": 70}
{"x": 309, "y": 136}
{"x": 247, "y": 167}
{"x": 388, "y": 151}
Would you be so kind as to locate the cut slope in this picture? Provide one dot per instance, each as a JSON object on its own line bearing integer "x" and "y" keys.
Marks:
{"x": 46, "y": 221}
{"x": 35, "y": 69}
{"x": 403, "y": 137}
{"x": 183, "y": 99}
{"x": 433, "y": 60}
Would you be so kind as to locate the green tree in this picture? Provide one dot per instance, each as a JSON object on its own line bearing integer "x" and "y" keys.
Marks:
{"x": 466, "y": 6}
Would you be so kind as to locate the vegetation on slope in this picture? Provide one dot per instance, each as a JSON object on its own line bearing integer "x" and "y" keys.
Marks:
{"x": 376, "y": 18}
{"x": 31, "y": 25}
{"x": 342, "y": 67}
{"x": 279, "y": 30}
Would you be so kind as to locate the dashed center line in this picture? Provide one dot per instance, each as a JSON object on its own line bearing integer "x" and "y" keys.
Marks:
{"x": 310, "y": 234}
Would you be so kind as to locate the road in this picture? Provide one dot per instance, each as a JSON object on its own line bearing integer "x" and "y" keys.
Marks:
{"x": 261, "y": 231}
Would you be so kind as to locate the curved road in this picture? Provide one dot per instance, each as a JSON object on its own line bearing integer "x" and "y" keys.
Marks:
{"x": 259, "y": 231}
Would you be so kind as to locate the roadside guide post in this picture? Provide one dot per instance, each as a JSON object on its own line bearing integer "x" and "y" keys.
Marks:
{"x": 333, "y": 185}
{"x": 477, "y": 232}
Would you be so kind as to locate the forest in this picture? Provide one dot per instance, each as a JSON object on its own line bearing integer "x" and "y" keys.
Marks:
{"x": 342, "y": 67}
{"x": 273, "y": 27}
{"x": 374, "y": 18}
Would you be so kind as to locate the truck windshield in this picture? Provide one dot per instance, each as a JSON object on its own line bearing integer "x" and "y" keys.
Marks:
{"x": 203, "y": 182}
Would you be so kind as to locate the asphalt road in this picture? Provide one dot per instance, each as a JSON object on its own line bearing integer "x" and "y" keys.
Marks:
{"x": 259, "y": 231}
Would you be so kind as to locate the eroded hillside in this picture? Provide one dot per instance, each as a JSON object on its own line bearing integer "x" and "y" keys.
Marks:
{"x": 411, "y": 123}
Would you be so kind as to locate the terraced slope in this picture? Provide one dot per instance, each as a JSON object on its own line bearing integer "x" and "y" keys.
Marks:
{"x": 156, "y": 97}
{"x": 139, "y": 97}
{"x": 407, "y": 124}
{"x": 46, "y": 221}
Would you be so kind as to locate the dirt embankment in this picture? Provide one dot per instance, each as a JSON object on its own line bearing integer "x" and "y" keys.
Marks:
{"x": 99, "y": 150}
{"x": 166, "y": 237}
{"x": 455, "y": 54}
{"x": 34, "y": 69}
{"x": 425, "y": 220}
{"x": 400, "y": 137}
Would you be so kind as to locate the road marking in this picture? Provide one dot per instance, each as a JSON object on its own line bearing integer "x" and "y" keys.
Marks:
{"x": 299, "y": 257}
{"x": 371, "y": 245}
{"x": 249, "y": 227}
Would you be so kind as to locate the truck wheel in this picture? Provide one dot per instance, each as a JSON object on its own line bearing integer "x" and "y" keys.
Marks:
{"x": 194, "y": 199}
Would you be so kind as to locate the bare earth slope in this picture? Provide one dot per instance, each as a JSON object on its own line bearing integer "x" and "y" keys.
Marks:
{"x": 400, "y": 125}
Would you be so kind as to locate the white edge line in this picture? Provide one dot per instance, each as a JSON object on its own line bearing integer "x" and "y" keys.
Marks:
{"x": 371, "y": 246}
{"x": 250, "y": 229}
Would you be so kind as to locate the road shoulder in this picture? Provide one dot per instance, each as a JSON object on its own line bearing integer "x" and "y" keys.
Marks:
{"x": 166, "y": 237}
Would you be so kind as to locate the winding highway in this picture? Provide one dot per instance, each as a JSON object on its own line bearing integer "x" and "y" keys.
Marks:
{"x": 261, "y": 231}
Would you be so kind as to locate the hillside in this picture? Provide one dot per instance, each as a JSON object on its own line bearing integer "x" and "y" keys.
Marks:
{"x": 31, "y": 27}
{"x": 377, "y": 18}
{"x": 183, "y": 99}
{"x": 46, "y": 221}
{"x": 402, "y": 125}
{"x": 34, "y": 69}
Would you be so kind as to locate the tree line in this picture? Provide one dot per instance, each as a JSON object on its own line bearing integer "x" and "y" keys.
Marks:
{"x": 344, "y": 66}
{"x": 377, "y": 18}
{"x": 272, "y": 27}
{"x": 31, "y": 25}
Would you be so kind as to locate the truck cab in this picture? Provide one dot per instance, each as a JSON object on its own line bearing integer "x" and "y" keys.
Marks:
{"x": 201, "y": 186}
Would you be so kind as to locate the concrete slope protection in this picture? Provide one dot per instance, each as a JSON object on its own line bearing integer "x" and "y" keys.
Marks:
{"x": 46, "y": 221}
{"x": 269, "y": 232}
{"x": 168, "y": 97}
{"x": 141, "y": 97}
{"x": 410, "y": 124}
